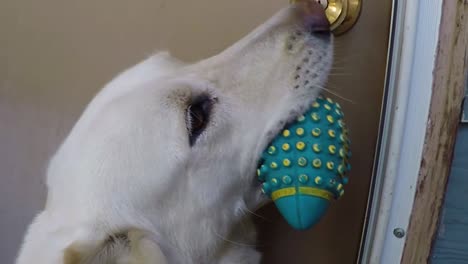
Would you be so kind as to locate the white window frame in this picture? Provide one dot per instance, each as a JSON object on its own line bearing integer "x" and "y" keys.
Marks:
{"x": 412, "y": 55}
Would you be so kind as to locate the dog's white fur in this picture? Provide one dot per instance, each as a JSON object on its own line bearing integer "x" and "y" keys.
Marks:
{"x": 126, "y": 186}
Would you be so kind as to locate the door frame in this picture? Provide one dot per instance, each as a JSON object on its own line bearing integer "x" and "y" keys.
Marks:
{"x": 426, "y": 72}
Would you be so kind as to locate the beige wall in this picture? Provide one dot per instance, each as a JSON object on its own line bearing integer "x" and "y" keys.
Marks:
{"x": 55, "y": 55}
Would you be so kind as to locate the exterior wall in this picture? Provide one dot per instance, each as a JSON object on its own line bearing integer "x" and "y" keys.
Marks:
{"x": 451, "y": 244}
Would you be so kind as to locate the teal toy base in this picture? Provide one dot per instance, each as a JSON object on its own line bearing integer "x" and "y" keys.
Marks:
{"x": 302, "y": 211}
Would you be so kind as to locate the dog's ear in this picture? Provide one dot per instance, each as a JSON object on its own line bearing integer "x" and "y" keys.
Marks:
{"x": 130, "y": 247}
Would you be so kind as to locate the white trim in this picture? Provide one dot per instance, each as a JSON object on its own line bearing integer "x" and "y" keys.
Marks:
{"x": 416, "y": 32}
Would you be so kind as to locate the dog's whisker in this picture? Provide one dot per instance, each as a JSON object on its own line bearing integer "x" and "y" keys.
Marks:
{"x": 333, "y": 71}
{"x": 257, "y": 215}
{"x": 234, "y": 242}
{"x": 340, "y": 53}
{"x": 337, "y": 95}
{"x": 337, "y": 67}
{"x": 338, "y": 61}
{"x": 339, "y": 74}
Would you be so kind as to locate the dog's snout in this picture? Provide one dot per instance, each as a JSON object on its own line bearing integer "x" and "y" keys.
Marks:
{"x": 313, "y": 16}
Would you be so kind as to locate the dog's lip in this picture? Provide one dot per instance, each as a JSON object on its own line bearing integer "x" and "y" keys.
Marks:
{"x": 257, "y": 183}
{"x": 282, "y": 125}
{"x": 270, "y": 139}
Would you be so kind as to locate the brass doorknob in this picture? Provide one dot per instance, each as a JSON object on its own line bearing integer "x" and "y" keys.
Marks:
{"x": 342, "y": 14}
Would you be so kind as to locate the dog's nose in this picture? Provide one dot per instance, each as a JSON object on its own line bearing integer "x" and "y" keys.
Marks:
{"x": 313, "y": 16}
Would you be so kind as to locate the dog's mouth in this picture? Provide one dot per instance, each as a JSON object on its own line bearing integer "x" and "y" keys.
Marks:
{"x": 309, "y": 78}
{"x": 309, "y": 46}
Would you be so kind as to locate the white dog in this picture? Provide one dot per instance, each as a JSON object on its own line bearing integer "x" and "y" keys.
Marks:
{"x": 160, "y": 168}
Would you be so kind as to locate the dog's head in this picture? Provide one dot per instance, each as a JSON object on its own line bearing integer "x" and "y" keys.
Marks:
{"x": 171, "y": 148}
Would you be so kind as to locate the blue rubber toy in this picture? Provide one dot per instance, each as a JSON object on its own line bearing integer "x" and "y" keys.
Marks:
{"x": 304, "y": 167}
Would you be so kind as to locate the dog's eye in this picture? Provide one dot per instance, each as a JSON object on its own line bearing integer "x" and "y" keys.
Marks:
{"x": 197, "y": 117}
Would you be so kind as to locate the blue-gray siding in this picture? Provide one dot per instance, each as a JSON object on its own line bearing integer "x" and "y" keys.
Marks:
{"x": 451, "y": 245}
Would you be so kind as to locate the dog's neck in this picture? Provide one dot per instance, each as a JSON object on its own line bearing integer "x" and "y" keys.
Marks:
{"x": 203, "y": 236}
{"x": 213, "y": 248}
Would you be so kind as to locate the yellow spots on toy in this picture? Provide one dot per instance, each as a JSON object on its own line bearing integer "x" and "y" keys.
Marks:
{"x": 337, "y": 105}
{"x": 318, "y": 180}
{"x": 273, "y": 165}
{"x": 312, "y": 152}
{"x": 300, "y": 131}
{"x": 303, "y": 178}
{"x": 316, "y": 132}
{"x": 274, "y": 181}
{"x": 316, "y": 147}
{"x": 286, "y": 179}
{"x": 315, "y": 116}
{"x": 343, "y": 138}
{"x": 341, "y": 169}
{"x": 346, "y": 149}
{"x": 332, "y": 149}
{"x": 341, "y": 192}
{"x": 300, "y": 145}
{"x": 345, "y": 133}
{"x": 302, "y": 161}
{"x": 338, "y": 112}
{"x": 341, "y": 124}
{"x": 266, "y": 188}
{"x": 346, "y": 146}
{"x": 342, "y": 153}
{"x": 317, "y": 163}
{"x": 271, "y": 150}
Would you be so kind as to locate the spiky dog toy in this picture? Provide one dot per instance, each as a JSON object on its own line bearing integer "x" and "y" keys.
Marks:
{"x": 304, "y": 167}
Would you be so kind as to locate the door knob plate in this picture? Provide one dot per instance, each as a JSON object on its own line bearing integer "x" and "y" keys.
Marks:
{"x": 342, "y": 14}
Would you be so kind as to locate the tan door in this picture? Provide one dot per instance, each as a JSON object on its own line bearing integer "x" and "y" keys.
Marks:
{"x": 55, "y": 55}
